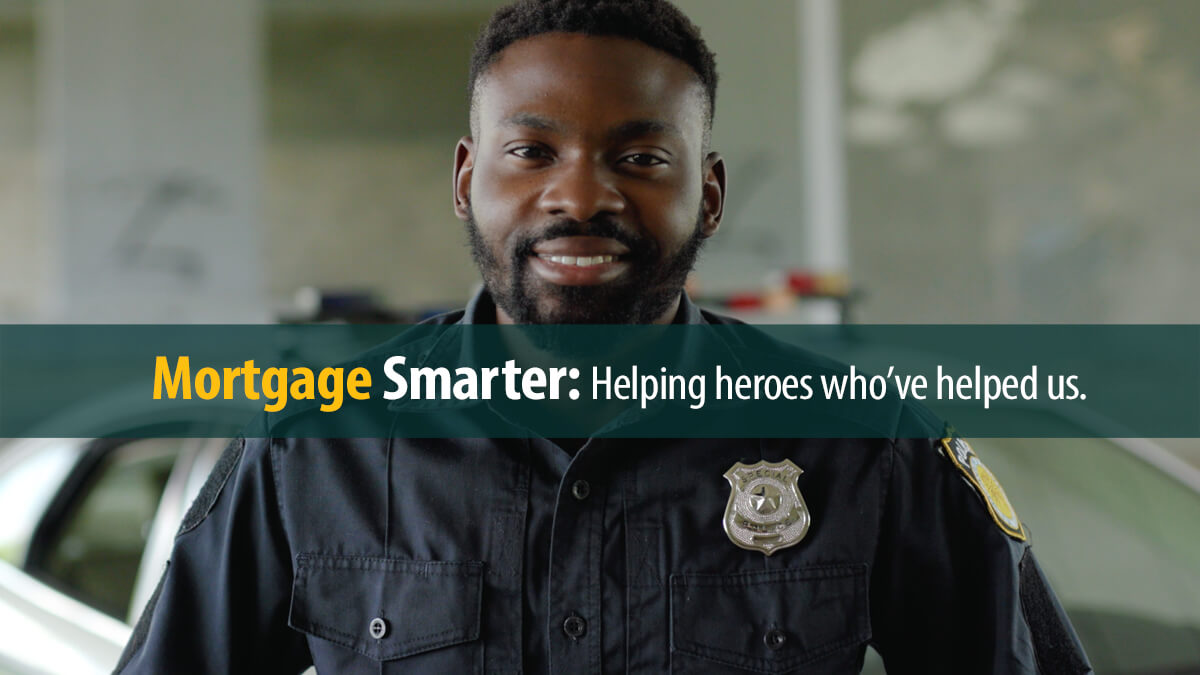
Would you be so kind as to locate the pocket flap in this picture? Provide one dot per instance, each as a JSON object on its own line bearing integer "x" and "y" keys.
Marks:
{"x": 770, "y": 621}
{"x": 386, "y": 608}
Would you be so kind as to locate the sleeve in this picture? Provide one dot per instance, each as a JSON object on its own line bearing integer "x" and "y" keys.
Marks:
{"x": 221, "y": 605}
{"x": 955, "y": 587}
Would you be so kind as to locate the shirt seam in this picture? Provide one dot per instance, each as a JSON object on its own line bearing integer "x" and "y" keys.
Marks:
{"x": 885, "y": 494}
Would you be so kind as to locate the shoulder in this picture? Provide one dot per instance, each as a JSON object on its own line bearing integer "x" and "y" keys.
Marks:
{"x": 945, "y": 475}
{"x": 445, "y": 319}
{"x": 713, "y": 319}
{"x": 966, "y": 463}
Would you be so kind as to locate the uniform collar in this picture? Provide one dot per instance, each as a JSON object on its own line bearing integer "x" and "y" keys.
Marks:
{"x": 481, "y": 309}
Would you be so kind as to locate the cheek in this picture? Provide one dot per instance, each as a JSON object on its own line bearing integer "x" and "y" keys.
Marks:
{"x": 502, "y": 199}
{"x": 492, "y": 212}
{"x": 672, "y": 217}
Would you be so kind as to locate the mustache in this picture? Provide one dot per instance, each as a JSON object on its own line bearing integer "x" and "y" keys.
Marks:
{"x": 639, "y": 246}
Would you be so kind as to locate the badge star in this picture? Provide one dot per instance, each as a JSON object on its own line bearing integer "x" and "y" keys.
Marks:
{"x": 764, "y": 499}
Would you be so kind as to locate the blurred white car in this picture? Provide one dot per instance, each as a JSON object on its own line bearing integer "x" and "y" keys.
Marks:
{"x": 88, "y": 525}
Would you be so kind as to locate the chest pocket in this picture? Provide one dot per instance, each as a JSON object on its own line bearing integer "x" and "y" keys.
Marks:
{"x": 776, "y": 621}
{"x": 420, "y": 616}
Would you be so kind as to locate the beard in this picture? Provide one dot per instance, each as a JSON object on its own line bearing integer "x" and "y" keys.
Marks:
{"x": 640, "y": 296}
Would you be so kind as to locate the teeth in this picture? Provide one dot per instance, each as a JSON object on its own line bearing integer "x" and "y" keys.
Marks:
{"x": 579, "y": 261}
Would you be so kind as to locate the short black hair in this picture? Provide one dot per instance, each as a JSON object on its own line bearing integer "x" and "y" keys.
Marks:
{"x": 656, "y": 23}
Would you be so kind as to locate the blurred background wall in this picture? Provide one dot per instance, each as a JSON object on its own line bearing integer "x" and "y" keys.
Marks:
{"x": 21, "y": 218}
{"x": 1005, "y": 160}
{"x": 1020, "y": 161}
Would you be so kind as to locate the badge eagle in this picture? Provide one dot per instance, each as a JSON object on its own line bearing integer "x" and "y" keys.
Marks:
{"x": 765, "y": 511}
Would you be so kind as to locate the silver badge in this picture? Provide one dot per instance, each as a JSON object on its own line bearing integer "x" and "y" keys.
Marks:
{"x": 765, "y": 510}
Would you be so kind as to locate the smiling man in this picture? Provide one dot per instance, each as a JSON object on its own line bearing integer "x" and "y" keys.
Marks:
{"x": 588, "y": 188}
{"x": 587, "y": 185}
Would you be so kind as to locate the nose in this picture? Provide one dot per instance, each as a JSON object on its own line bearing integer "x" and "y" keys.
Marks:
{"x": 581, "y": 190}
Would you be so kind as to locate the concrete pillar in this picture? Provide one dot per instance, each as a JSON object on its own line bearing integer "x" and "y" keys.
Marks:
{"x": 151, "y": 131}
{"x": 823, "y": 171}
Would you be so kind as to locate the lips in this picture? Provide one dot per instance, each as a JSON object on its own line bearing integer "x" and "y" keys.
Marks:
{"x": 580, "y": 246}
{"x": 579, "y": 260}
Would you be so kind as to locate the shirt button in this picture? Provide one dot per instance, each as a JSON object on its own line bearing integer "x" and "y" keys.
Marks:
{"x": 580, "y": 490}
{"x": 575, "y": 627}
{"x": 775, "y": 639}
{"x": 378, "y": 628}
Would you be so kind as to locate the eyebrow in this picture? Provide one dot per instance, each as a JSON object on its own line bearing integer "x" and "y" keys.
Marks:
{"x": 623, "y": 131}
{"x": 636, "y": 128}
{"x": 530, "y": 121}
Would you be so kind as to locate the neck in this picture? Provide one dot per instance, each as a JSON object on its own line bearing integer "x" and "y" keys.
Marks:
{"x": 667, "y": 317}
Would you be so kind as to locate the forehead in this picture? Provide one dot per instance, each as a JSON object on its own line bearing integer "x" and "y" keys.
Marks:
{"x": 585, "y": 82}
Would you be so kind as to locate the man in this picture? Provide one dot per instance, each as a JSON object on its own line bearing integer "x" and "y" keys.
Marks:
{"x": 588, "y": 188}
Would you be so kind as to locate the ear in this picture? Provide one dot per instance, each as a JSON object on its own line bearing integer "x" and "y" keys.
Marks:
{"x": 464, "y": 166}
{"x": 712, "y": 202}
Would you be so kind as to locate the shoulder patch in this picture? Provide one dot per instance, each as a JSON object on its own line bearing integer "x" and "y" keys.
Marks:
{"x": 985, "y": 483}
{"x": 207, "y": 498}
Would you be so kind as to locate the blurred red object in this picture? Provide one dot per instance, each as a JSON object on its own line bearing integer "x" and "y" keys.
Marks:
{"x": 744, "y": 301}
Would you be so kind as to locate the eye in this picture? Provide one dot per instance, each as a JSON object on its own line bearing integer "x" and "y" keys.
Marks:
{"x": 530, "y": 152}
{"x": 642, "y": 159}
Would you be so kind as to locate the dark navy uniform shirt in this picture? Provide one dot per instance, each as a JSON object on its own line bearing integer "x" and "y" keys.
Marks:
{"x": 520, "y": 556}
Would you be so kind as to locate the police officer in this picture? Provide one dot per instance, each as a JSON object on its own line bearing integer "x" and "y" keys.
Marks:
{"x": 587, "y": 187}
